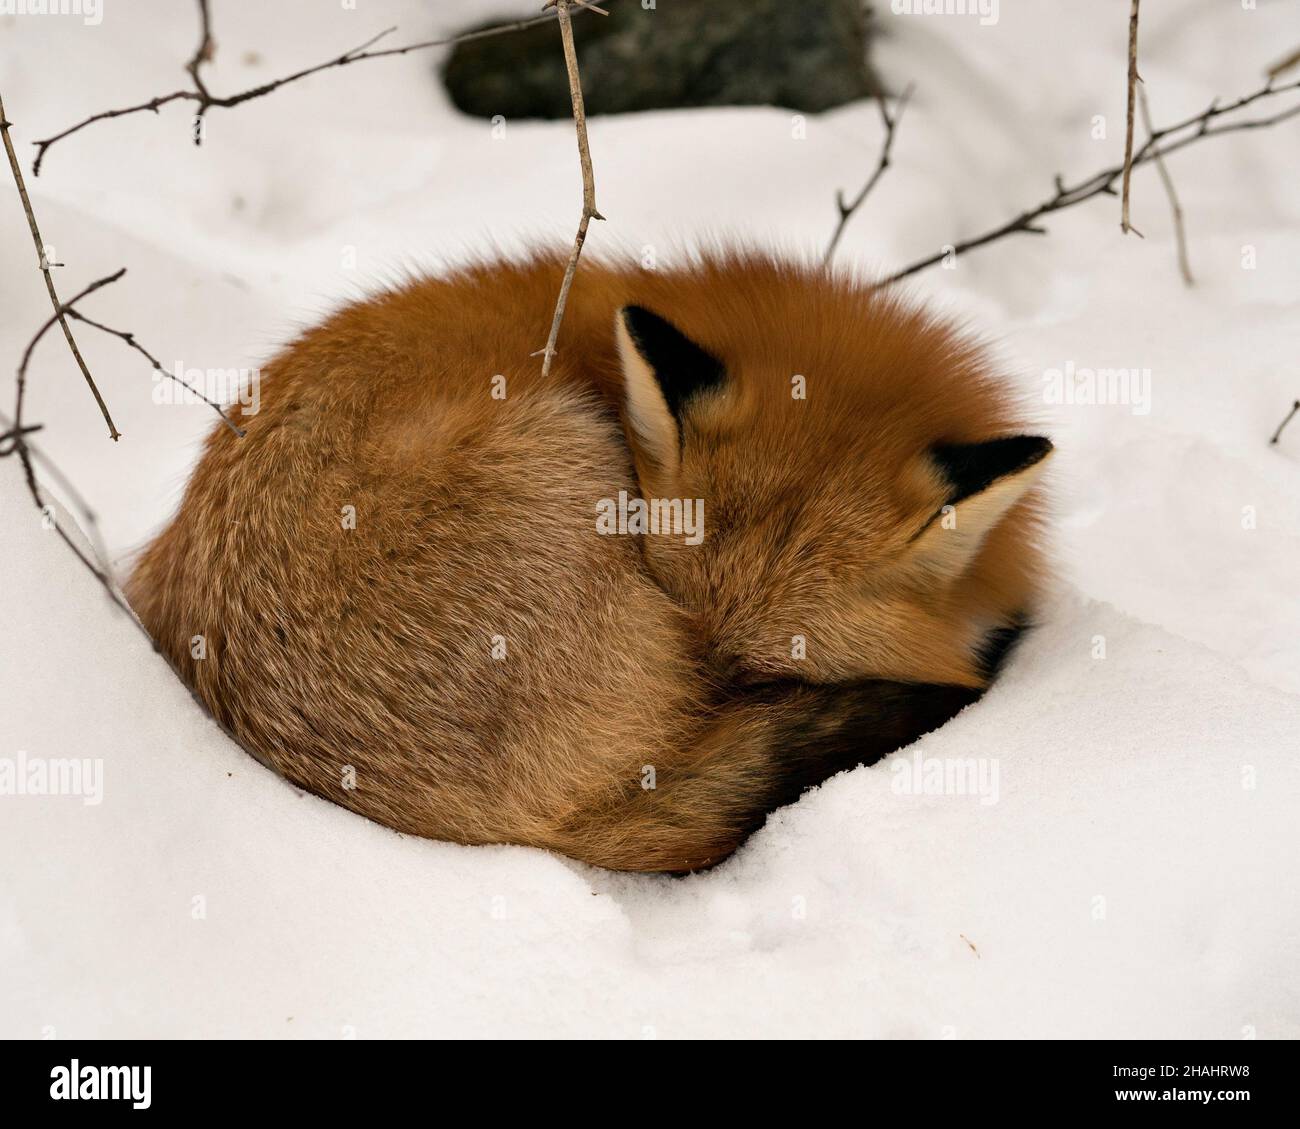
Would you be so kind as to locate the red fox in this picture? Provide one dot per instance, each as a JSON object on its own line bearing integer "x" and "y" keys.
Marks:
{"x": 405, "y": 590}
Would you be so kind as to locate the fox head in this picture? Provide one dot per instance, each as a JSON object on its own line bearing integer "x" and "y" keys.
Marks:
{"x": 867, "y": 490}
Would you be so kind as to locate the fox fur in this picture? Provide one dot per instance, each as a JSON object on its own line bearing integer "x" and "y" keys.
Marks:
{"x": 399, "y": 598}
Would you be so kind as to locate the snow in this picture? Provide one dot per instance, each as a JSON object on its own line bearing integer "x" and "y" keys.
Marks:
{"x": 1136, "y": 874}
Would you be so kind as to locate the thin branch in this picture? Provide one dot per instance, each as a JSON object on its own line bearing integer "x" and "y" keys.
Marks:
{"x": 58, "y": 316}
{"x": 1103, "y": 182}
{"x": 9, "y": 439}
{"x": 1284, "y": 64}
{"x": 1180, "y": 234}
{"x": 14, "y": 439}
{"x": 17, "y": 445}
{"x": 130, "y": 340}
{"x": 589, "y": 211}
{"x": 204, "y": 52}
{"x": 847, "y": 210}
{"x": 1133, "y": 80}
{"x": 206, "y": 100}
{"x": 1289, "y": 417}
{"x": 43, "y": 261}
{"x": 68, "y": 308}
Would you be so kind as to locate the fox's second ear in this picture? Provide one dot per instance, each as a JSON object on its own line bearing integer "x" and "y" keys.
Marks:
{"x": 981, "y": 481}
{"x": 662, "y": 370}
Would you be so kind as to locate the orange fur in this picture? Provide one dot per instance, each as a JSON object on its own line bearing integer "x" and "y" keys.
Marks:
{"x": 359, "y": 662}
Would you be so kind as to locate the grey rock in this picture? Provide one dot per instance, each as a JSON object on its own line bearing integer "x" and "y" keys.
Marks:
{"x": 806, "y": 55}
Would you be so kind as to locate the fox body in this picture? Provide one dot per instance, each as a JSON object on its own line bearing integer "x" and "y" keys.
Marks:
{"x": 409, "y": 603}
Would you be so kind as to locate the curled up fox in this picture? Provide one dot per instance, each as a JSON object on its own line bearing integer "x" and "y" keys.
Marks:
{"x": 415, "y": 598}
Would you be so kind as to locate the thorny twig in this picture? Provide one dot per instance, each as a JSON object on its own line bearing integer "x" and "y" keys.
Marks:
{"x": 206, "y": 100}
{"x": 1103, "y": 182}
{"x": 1180, "y": 234}
{"x": 847, "y": 209}
{"x": 1133, "y": 79}
{"x": 589, "y": 211}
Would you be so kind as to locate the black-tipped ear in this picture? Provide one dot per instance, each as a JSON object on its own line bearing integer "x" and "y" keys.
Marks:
{"x": 680, "y": 367}
{"x": 971, "y": 468}
{"x": 981, "y": 482}
{"x": 662, "y": 370}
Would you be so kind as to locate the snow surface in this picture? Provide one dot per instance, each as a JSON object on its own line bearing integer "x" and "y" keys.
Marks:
{"x": 1136, "y": 876}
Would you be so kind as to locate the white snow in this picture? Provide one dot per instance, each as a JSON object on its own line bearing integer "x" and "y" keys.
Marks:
{"x": 1136, "y": 875}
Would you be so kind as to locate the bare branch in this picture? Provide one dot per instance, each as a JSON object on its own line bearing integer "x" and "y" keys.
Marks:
{"x": 129, "y": 339}
{"x": 1180, "y": 235}
{"x": 9, "y": 439}
{"x": 1284, "y": 64}
{"x": 44, "y": 264}
{"x": 27, "y": 452}
{"x": 206, "y": 100}
{"x": 206, "y": 49}
{"x": 589, "y": 211}
{"x": 58, "y": 316}
{"x": 1289, "y": 416}
{"x": 14, "y": 439}
{"x": 1192, "y": 129}
{"x": 847, "y": 210}
{"x": 1133, "y": 80}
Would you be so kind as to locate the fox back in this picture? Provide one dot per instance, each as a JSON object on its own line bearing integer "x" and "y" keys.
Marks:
{"x": 404, "y": 590}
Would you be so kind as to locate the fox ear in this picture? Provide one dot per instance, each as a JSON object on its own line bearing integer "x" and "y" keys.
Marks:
{"x": 662, "y": 370}
{"x": 982, "y": 481}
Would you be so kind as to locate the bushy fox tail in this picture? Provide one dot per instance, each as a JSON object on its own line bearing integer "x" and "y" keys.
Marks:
{"x": 757, "y": 754}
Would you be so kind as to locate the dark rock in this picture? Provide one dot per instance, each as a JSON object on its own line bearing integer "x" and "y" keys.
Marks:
{"x": 807, "y": 55}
